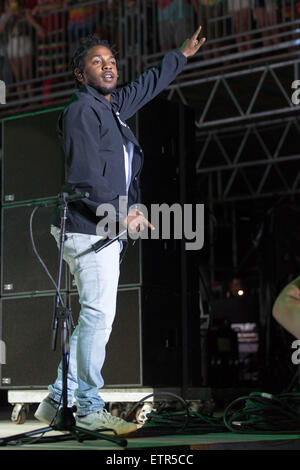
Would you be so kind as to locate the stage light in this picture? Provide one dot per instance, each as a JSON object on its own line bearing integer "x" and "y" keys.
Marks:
{"x": 235, "y": 287}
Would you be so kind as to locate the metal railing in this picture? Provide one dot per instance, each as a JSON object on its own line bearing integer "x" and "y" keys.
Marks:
{"x": 36, "y": 50}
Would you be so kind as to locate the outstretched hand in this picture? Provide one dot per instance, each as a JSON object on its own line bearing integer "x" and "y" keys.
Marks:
{"x": 191, "y": 46}
{"x": 136, "y": 222}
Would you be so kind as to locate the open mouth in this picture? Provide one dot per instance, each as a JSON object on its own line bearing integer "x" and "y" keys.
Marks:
{"x": 108, "y": 77}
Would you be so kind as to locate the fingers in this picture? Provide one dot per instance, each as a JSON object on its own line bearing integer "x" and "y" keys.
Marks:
{"x": 143, "y": 220}
{"x": 196, "y": 34}
{"x": 139, "y": 222}
{"x": 135, "y": 212}
{"x": 150, "y": 225}
{"x": 200, "y": 43}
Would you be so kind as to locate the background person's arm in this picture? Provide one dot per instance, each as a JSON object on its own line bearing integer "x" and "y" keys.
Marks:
{"x": 286, "y": 309}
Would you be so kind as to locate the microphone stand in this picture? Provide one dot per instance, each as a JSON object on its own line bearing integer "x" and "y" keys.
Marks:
{"x": 103, "y": 244}
{"x": 65, "y": 420}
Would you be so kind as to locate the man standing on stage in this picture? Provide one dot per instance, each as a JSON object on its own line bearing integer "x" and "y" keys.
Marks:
{"x": 104, "y": 159}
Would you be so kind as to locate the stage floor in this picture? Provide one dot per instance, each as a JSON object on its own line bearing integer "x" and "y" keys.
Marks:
{"x": 154, "y": 444}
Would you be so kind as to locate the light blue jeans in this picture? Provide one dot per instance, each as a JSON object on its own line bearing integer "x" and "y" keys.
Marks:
{"x": 96, "y": 276}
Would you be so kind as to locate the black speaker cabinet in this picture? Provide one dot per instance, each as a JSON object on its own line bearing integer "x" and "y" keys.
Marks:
{"x": 130, "y": 268}
{"x": 157, "y": 284}
{"x": 144, "y": 349}
{"x": 123, "y": 364}
{"x": 167, "y": 178}
{"x": 21, "y": 270}
{"x": 26, "y": 333}
{"x": 145, "y": 344}
{"x": 32, "y": 159}
{"x": 162, "y": 336}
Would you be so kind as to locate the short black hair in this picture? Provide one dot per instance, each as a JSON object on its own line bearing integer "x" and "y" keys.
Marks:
{"x": 85, "y": 44}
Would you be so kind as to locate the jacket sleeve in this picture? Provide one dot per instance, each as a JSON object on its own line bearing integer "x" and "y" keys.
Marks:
{"x": 84, "y": 166}
{"x": 147, "y": 86}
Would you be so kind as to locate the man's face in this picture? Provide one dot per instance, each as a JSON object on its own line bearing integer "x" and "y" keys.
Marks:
{"x": 100, "y": 70}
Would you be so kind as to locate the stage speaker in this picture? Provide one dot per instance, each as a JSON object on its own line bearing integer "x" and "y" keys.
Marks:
{"x": 150, "y": 331}
{"x": 143, "y": 350}
{"x": 26, "y": 332}
{"x": 145, "y": 344}
{"x": 168, "y": 181}
{"x": 162, "y": 336}
{"x": 169, "y": 172}
{"x": 123, "y": 363}
{"x": 130, "y": 268}
{"x": 32, "y": 159}
{"x": 170, "y": 309}
{"x": 21, "y": 270}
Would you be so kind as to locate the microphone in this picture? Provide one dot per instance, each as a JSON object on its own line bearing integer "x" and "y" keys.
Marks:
{"x": 104, "y": 242}
{"x": 64, "y": 198}
{"x": 73, "y": 197}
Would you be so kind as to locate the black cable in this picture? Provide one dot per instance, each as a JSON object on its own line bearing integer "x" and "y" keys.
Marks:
{"x": 39, "y": 257}
{"x": 258, "y": 413}
{"x": 264, "y": 413}
{"x": 197, "y": 423}
{"x": 181, "y": 400}
{"x": 178, "y": 422}
{"x": 28, "y": 440}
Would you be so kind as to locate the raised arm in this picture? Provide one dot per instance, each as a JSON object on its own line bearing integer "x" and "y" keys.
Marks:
{"x": 152, "y": 82}
{"x": 34, "y": 23}
{"x": 5, "y": 18}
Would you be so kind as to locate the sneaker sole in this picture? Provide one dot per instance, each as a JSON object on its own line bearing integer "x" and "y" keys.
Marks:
{"x": 130, "y": 428}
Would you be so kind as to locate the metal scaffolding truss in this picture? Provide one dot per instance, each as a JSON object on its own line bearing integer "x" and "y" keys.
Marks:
{"x": 249, "y": 94}
{"x": 247, "y": 129}
{"x": 250, "y": 161}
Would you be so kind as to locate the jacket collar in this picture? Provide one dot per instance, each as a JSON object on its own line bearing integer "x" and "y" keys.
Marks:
{"x": 95, "y": 93}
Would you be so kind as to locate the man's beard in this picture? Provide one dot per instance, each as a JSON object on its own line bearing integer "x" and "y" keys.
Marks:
{"x": 105, "y": 90}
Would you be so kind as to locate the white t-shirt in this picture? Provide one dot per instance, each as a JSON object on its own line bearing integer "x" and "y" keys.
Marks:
{"x": 128, "y": 156}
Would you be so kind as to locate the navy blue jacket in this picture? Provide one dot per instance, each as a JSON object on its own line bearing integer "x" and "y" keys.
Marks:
{"x": 92, "y": 131}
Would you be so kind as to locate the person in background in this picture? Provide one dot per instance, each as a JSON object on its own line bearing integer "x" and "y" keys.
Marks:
{"x": 175, "y": 21}
{"x": 109, "y": 20}
{"x": 15, "y": 27}
{"x": 289, "y": 13}
{"x": 5, "y": 69}
{"x": 265, "y": 11}
{"x": 235, "y": 287}
{"x": 209, "y": 12}
{"x": 81, "y": 22}
{"x": 241, "y": 15}
{"x": 52, "y": 55}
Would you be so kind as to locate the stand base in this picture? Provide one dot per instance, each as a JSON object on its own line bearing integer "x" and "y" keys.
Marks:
{"x": 66, "y": 423}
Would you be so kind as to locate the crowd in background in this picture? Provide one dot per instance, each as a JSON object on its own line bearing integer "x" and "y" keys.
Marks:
{"x": 38, "y": 37}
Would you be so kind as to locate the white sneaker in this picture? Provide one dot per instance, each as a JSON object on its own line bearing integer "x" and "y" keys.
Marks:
{"x": 47, "y": 411}
{"x": 102, "y": 419}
